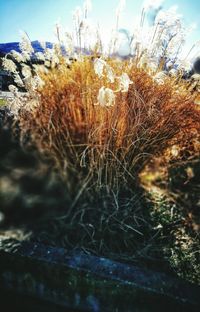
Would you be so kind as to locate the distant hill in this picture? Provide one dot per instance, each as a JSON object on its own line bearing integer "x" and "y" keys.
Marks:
{"x": 8, "y": 47}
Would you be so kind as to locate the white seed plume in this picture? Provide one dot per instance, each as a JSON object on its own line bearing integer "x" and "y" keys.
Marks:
{"x": 47, "y": 63}
{"x": 184, "y": 65}
{"x": 68, "y": 43}
{"x": 25, "y": 44}
{"x": 87, "y": 6}
{"x": 77, "y": 12}
{"x": 57, "y": 30}
{"x": 196, "y": 77}
{"x": 26, "y": 71}
{"x": 110, "y": 74}
{"x": 18, "y": 80}
{"x": 38, "y": 69}
{"x": 17, "y": 56}
{"x": 42, "y": 44}
{"x": 144, "y": 60}
{"x": 99, "y": 65}
{"x": 124, "y": 82}
{"x": 160, "y": 77}
{"x": 173, "y": 72}
{"x": 36, "y": 82}
{"x": 106, "y": 97}
{"x": 120, "y": 8}
{"x": 168, "y": 17}
{"x": 13, "y": 89}
{"x": 54, "y": 61}
{"x": 77, "y": 16}
{"x": 40, "y": 56}
{"x": 9, "y": 65}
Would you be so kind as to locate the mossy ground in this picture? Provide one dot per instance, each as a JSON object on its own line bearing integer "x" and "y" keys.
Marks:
{"x": 175, "y": 212}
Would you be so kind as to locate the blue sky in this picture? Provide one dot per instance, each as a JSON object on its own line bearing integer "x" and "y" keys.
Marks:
{"x": 37, "y": 17}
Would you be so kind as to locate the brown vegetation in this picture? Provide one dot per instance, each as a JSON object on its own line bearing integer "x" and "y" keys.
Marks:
{"x": 107, "y": 147}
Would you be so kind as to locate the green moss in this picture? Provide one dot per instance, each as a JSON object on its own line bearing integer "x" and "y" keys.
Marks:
{"x": 2, "y": 102}
{"x": 179, "y": 243}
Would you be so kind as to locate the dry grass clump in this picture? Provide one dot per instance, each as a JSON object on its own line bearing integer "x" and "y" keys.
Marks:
{"x": 105, "y": 145}
{"x": 103, "y": 118}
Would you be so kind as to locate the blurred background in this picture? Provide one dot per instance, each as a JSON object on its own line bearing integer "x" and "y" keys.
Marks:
{"x": 37, "y": 17}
